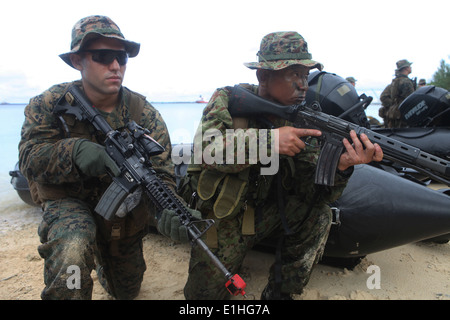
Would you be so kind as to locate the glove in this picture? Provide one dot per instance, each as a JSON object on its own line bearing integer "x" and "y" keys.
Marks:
{"x": 170, "y": 226}
{"x": 92, "y": 159}
{"x": 129, "y": 203}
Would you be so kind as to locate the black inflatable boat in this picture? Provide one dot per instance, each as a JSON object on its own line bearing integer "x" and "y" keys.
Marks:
{"x": 379, "y": 209}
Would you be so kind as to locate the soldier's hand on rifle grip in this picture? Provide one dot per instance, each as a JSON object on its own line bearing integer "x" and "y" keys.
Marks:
{"x": 359, "y": 153}
{"x": 92, "y": 160}
{"x": 290, "y": 142}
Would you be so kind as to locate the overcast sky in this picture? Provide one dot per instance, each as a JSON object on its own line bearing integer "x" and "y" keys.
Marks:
{"x": 189, "y": 47}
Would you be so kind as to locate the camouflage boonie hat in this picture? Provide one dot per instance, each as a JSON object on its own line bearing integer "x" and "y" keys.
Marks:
{"x": 351, "y": 79}
{"x": 94, "y": 27}
{"x": 402, "y": 64}
{"x": 280, "y": 50}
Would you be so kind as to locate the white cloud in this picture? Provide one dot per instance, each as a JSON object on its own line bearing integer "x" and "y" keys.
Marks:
{"x": 189, "y": 48}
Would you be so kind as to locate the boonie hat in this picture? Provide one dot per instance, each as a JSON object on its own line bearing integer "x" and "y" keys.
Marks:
{"x": 350, "y": 79}
{"x": 279, "y": 50}
{"x": 94, "y": 27}
{"x": 402, "y": 64}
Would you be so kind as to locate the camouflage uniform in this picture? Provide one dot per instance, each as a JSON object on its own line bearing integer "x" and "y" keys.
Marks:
{"x": 401, "y": 87}
{"x": 72, "y": 235}
{"x": 305, "y": 204}
{"x": 386, "y": 102}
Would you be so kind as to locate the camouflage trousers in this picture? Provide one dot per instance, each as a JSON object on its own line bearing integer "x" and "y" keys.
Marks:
{"x": 300, "y": 251}
{"x": 73, "y": 246}
{"x": 394, "y": 118}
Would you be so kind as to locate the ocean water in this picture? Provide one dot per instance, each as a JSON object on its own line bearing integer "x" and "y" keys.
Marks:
{"x": 14, "y": 213}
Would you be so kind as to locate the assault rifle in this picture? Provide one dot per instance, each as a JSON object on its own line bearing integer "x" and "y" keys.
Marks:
{"x": 244, "y": 103}
{"x": 131, "y": 150}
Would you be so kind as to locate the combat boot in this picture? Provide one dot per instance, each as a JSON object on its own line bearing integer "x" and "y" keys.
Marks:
{"x": 270, "y": 294}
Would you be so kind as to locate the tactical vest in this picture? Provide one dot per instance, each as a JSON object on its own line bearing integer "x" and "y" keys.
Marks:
{"x": 221, "y": 195}
{"x": 91, "y": 190}
{"x": 77, "y": 129}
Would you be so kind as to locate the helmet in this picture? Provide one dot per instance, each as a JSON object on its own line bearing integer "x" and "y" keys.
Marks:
{"x": 337, "y": 97}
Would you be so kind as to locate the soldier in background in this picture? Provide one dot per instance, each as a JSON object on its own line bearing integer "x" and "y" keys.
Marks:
{"x": 67, "y": 171}
{"x": 422, "y": 83}
{"x": 386, "y": 103}
{"x": 351, "y": 80}
{"x": 400, "y": 88}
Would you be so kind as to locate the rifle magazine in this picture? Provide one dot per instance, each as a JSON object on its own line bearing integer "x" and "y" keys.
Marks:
{"x": 327, "y": 164}
{"x": 111, "y": 200}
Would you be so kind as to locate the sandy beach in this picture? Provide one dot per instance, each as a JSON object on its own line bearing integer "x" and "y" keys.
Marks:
{"x": 417, "y": 271}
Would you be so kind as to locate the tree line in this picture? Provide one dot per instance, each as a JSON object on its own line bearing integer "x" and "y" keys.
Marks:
{"x": 441, "y": 78}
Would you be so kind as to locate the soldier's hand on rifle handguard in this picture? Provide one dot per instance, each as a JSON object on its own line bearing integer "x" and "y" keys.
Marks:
{"x": 169, "y": 225}
{"x": 92, "y": 160}
{"x": 359, "y": 151}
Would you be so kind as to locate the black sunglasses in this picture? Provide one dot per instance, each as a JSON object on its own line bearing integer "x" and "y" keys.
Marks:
{"x": 106, "y": 56}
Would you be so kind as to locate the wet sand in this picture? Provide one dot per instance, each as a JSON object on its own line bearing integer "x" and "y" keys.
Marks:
{"x": 417, "y": 271}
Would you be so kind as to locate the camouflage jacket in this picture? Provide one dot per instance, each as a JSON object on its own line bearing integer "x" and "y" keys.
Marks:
{"x": 297, "y": 172}
{"x": 45, "y": 148}
{"x": 401, "y": 87}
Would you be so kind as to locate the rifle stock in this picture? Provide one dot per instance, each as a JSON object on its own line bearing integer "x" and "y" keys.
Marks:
{"x": 244, "y": 103}
{"x": 131, "y": 149}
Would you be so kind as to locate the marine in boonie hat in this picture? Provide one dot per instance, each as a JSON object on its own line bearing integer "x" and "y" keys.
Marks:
{"x": 93, "y": 27}
{"x": 402, "y": 64}
{"x": 279, "y": 50}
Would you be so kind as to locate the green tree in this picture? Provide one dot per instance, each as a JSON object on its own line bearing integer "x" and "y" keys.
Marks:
{"x": 441, "y": 78}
